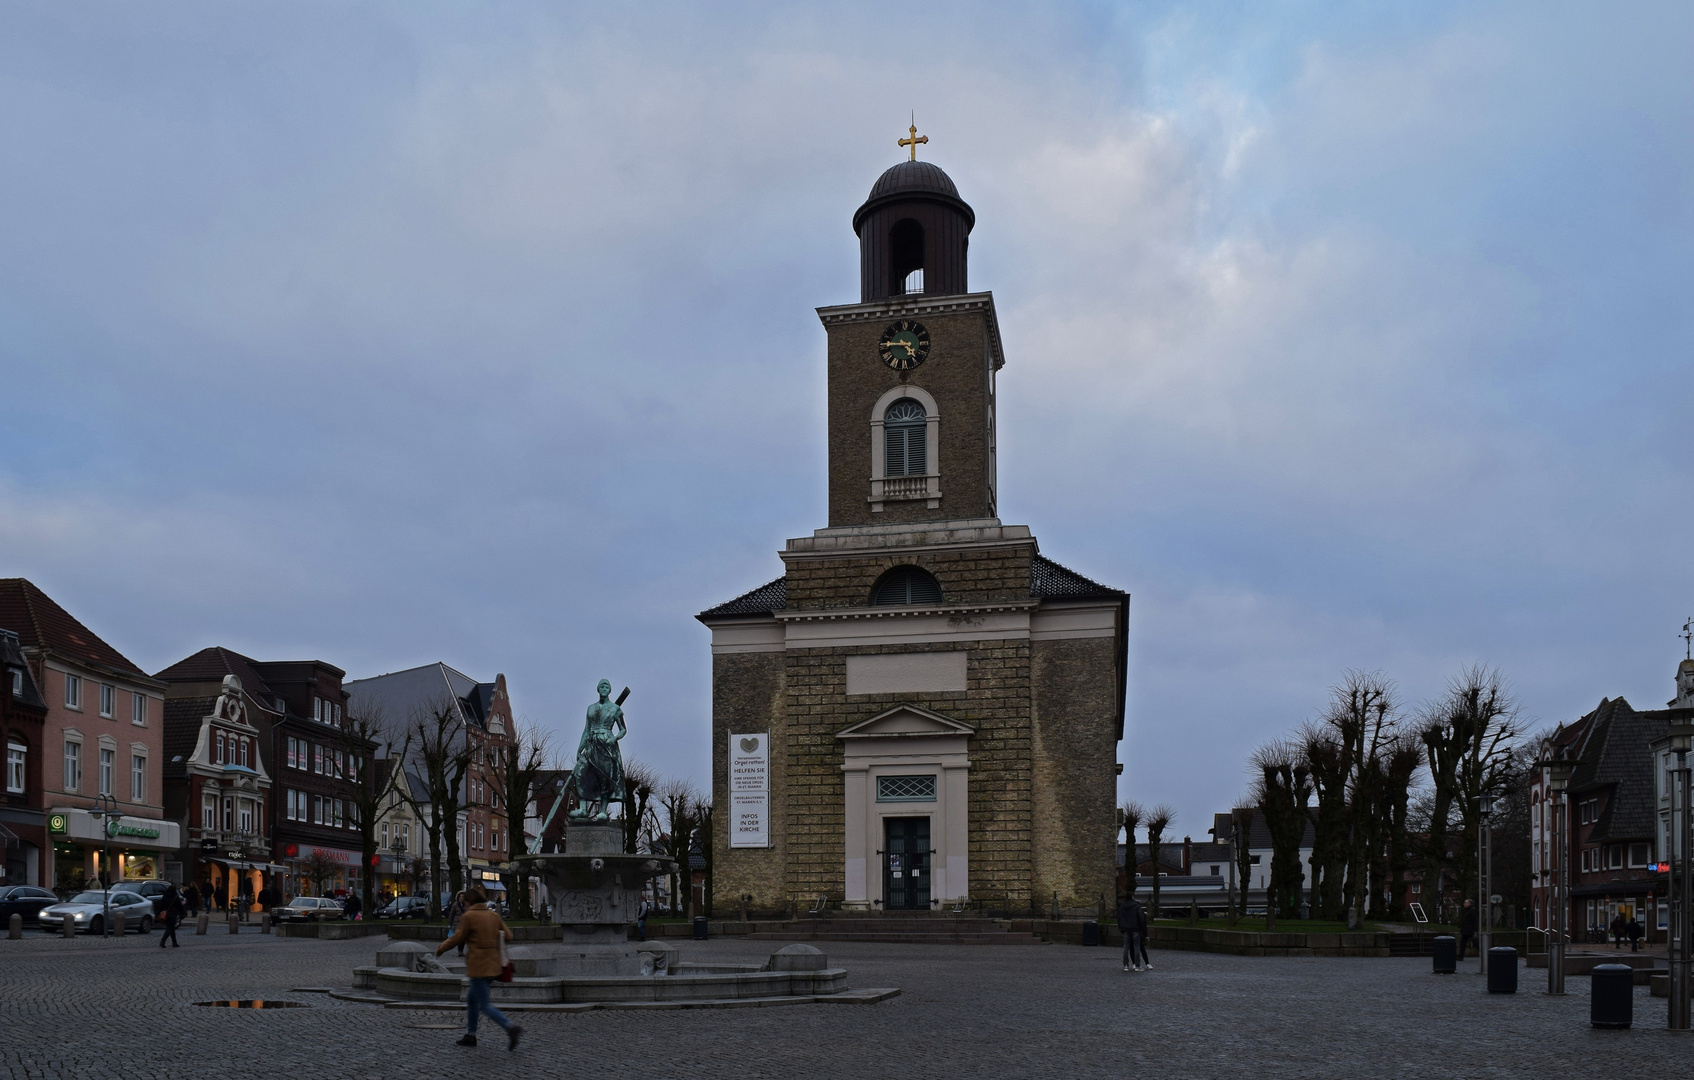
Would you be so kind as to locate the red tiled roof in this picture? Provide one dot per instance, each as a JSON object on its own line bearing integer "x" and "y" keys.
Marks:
{"x": 40, "y": 623}
{"x": 211, "y": 665}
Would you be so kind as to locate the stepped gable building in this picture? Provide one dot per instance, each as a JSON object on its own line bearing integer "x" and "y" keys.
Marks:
{"x": 923, "y": 709}
{"x": 300, "y": 779}
{"x": 100, "y": 739}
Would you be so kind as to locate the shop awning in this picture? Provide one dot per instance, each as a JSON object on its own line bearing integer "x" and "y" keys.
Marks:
{"x": 493, "y": 886}
{"x": 8, "y": 838}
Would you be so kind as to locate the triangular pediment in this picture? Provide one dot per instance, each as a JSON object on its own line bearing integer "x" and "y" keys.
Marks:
{"x": 905, "y": 722}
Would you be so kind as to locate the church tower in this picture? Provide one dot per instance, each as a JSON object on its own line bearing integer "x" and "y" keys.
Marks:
{"x": 922, "y": 709}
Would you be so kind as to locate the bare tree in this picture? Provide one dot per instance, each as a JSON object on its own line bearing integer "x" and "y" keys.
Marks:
{"x": 515, "y": 770}
{"x": 1284, "y": 792}
{"x": 678, "y": 806}
{"x": 1158, "y": 820}
{"x": 442, "y": 757}
{"x": 639, "y": 783}
{"x": 1469, "y": 735}
{"x": 1130, "y": 816}
{"x": 375, "y": 775}
{"x": 318, "y": 867}
{"x": 1363, "y": 715}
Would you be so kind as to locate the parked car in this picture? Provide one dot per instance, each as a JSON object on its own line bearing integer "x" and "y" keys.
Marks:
{"x": 404, "y": 907}
{"x": 307, "y": 909}
{"x": 92, "y": 910}
{"x": 152, "y": 890}
{"x": 25, "y": 900}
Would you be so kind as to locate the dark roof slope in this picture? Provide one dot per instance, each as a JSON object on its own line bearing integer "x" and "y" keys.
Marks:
{"x": 42, "y": 624}
{"x": 211, "y": 665}
{"x": 769, "y": 597}
{"x": 182, "y": 730}
{"x": 1613, "y": 753}
{"x": 1047, "y": 579}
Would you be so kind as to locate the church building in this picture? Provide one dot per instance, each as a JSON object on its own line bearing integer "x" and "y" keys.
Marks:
{"x": 922, "y": 710}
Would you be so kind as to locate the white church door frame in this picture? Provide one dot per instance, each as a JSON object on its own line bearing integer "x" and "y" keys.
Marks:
{"x": 906, "y": 741}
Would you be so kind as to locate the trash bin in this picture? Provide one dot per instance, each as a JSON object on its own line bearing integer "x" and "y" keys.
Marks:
{"x": 699, "y": 928}
{"x": 1091, "y": 933}
{"x": 1502, "y": 970}
{"x": 1446, "y": 952}
{"x": 1611, "y": 1001}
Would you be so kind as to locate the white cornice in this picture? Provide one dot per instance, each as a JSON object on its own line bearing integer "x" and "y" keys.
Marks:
{"x": 888, "y": 612}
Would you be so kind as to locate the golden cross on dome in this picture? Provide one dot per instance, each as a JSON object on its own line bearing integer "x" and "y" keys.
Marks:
{"x": 915, "y": 139}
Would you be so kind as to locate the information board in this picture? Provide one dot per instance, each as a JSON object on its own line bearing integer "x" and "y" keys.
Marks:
{"x": 749, "y": 790}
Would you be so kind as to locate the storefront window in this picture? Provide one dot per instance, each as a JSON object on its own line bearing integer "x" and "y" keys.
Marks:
{"x": 141, "y": 867}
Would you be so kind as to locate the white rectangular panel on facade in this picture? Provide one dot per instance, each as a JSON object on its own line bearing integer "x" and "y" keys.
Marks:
{"x": 749, "y": 790}
{"x": 906, "y": 673}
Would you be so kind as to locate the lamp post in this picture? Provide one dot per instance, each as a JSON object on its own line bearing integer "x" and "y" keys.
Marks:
{"x": 1484, "y": 879}
{"x": 1557, "y": 771}
{"x": 105, "y": 808}
{"x": 1681, "y": 874}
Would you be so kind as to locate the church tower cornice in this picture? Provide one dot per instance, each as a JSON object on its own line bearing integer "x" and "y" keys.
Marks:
{"x": 898, "y": 307}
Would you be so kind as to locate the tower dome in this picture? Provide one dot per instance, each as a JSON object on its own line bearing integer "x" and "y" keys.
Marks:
{"x": 914, "y": 232}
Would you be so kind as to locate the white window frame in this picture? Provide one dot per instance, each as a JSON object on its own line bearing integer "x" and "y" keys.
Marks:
{"x": 138, "y": 709}
{"x": 137, "y": 776}
{"x": 108, "y": 700}
{"x": 209, "y": 811}
{"x": 73, "y": 762}
{"x": 17, "y": 767}
{"x": 244, "y": 817}
{"x": 879, "y": 449}
{"x": 73, "y": 691}
{"x": 108, "y": 759}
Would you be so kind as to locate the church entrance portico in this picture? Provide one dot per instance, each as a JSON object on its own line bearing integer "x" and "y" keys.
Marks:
{"x": 906, "y": 773}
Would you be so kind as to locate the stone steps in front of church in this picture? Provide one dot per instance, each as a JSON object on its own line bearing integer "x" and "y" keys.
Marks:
{"x": 918, "y": 929}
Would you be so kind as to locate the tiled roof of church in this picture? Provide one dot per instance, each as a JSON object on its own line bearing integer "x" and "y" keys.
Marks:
{"x": 772, "y": 596}
{"x": 1048, "y": 579}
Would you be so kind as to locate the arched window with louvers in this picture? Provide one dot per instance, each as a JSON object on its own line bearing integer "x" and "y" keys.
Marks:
{"x": 905, "y": 431}
{"x": 907, "y": 585}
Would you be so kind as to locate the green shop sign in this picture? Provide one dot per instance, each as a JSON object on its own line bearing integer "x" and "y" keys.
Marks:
{"x": 57, "y": 823}
{"x": 113, "y": 828}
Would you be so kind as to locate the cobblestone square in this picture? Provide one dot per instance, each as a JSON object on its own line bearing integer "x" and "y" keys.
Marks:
{"x": 88, "y": 1008}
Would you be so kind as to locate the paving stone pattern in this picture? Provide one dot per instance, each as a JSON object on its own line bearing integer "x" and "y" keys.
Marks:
{"x": 88, "y": 1008}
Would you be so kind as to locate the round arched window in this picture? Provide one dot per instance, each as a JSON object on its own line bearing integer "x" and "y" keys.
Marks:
{"x": 905, "y": 431}
{"x": 907, "y": 585}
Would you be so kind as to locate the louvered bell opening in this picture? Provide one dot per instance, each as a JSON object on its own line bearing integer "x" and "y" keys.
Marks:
{"x": 907, "y": 585}
{"x": 905, "y": 429}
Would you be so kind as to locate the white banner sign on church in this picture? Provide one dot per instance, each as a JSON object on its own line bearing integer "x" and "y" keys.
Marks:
{"x": 749, "y": 790}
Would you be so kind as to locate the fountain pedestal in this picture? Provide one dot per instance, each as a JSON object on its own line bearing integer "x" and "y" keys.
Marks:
{"x": 594, "y": 889}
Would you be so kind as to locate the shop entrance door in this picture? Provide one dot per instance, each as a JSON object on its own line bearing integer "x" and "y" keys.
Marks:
{"x": 905, "y": 864}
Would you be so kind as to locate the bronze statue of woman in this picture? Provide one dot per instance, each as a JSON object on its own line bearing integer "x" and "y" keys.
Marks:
{"x": 598, "y": 777}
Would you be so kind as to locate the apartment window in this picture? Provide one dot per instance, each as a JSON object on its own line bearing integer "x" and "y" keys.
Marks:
{"x": 17, "y": 754}
{"x": 107, "y": 761}
{"x": 290, "y": 757}
{"x": 246, "y": 816}
{"x": 340, "y": 771}
{"x": 317, "y": 810}
{"x": 1614, "y": 857}
{"x": 339, "y": 819}
{"x": 73, "y": 691}
{"x": 108, "y": 701}
{"x": 317, "y": 759}
{"x": 208, "y": 812}
{"x": 138, "y": 710}
{"x": 382, "y": 831}
{"x": 138, "y": 778}
{"x": 494, "y": 843}
{"x": 1639, "y": 854}
{"x": 218, "y": 758}
{"x": 229, "y": 815}
{"x": 405, "y": 836}
{"x": 17, "y": 682}
{"x": 244, "y": 747}
{"x": 318, "y": 709}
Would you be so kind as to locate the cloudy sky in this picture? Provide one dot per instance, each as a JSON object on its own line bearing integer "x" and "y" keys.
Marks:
{"x": 1341, "y": 335}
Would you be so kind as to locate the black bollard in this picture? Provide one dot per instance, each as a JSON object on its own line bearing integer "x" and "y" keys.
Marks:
{"x": 1611, "y": 1002}
{"x": 699, "y": 928}
{"x": 1091, "y": 933}
{"x": 1502, "y": 970}
{"x": 1446, "y": 953}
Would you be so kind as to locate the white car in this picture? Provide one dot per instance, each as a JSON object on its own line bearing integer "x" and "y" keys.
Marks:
{"x": 307, "y": 909}
{"x": 92, "y": 911}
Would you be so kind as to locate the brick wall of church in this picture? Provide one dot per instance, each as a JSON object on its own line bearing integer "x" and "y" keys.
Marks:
{"x": 957, "y": 374}
{"x": 967, "y": 576}
{"x": 1074, "y": 738}
{"x": 1002, "y": 770}
{"x": 747, "y": 696}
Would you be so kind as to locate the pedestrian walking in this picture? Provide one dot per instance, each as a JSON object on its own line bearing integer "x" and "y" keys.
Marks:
{"x": 1467, "y": 927}
{"x": 1132, "y": 924}
{"x": 641, "y": 911}
{"x": 191, "y": 897}
{"x": 1618, "y": 928}
{"x": 486, "y": 934}
{"x": 454, "y": 914}
{"x": 355, "y": 908}
{"x": 172, "y": 914}
{"x": 1636, "y": 932}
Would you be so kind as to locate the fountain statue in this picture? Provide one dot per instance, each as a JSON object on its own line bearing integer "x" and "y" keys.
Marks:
{"x": 598, "y": 776}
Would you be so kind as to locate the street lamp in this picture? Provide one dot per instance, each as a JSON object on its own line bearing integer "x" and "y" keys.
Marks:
{"x": 1484, "y": 879}
{"x": 105, "y": 808}
{"x": 1558, "y": 778}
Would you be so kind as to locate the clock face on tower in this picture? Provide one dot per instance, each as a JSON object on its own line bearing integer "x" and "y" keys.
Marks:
{"x": 904, "y": 345}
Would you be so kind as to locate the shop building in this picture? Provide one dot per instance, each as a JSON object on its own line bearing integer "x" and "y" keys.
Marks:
{"x": 100, "y": 746}
{"x": 311, "y": 763}
{"x": 23, "y": 822}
